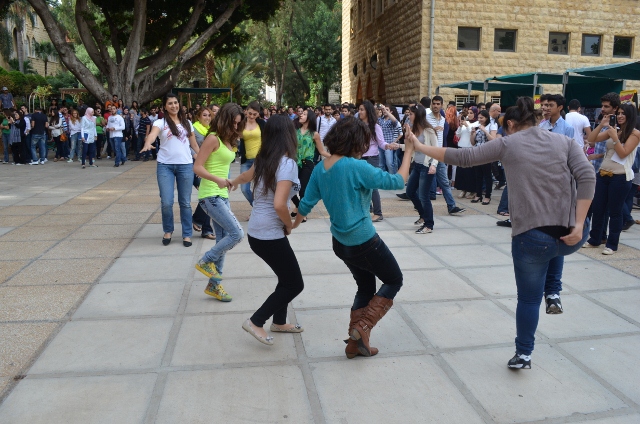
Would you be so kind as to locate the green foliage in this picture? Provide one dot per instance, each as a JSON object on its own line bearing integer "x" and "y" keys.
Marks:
{"x": 28, "y": 66}
{"x": 63, "y": 79}
{"x": 20, "y": 83}
{"x": 6, "y": 43}
{"x": 239, "y": 72}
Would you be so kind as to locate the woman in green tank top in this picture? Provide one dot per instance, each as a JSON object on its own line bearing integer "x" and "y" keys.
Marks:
{"x": 212, "y": 165}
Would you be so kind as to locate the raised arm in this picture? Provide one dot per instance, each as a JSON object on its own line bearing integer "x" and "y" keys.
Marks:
{"x": 323, "y": 152}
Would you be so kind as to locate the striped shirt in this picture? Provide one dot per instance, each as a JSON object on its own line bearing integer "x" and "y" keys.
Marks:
{"x": 390, "y": 129}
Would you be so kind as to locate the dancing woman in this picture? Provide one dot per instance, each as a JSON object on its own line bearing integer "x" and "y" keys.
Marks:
{"x": 212, "y": 165}
{"x": 548, "y": 213}
{"x": 275, "y": 180}
{"x": 345, "y": 185}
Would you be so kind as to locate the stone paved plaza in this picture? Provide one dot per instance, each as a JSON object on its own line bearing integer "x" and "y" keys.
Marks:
{"x": 100, "y": 323}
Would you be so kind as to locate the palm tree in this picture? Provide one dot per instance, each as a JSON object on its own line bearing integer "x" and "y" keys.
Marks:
{"x": 45, "y": 51}
{"x": 236, "y": 72}
{"x": 209, "y": 67}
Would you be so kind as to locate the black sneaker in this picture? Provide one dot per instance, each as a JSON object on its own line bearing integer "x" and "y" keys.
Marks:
{"x": 423, "y": 229}
{"x": 506, "y": 223}
{"x": 520, "y": 362}
{"x": 554, "y": 306}
{"x": 456, "y": 209}
{"x": 403, "y": 196}
{"x": 628, "y": 225}
{"x": 419, "y": 222}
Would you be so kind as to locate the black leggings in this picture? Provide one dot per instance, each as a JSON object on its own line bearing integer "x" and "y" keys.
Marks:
{"x": 280, "y": 257}
{"x": 483, "y": 175}
{"x": 304, "y": 174}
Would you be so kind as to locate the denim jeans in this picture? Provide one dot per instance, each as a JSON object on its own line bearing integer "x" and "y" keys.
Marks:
{"x": 40, "y": 141}
{"x": 504, "y": 201}
{"x": 246, "y": 188}
{"x": 75, "y": 147}
{"x": 228, "y": 230}
{"x": 534, "y": 254}
{"x": 88, "y": 151}
{"x": 611, "y": 193}
{"x": 375, "y": 194}
{"x": 628, "y": 204}
{"x": 388, "y": 160}
{"x": 367, "y": 261}
{"x": 442, "y": 180}
{"x": 5, "y": 144}
{"x": 120, "y": 148}
{"x": 418, "y": 187}
{"x": 170, "y": 175}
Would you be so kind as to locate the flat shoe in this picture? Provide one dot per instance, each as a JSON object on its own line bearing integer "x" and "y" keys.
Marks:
{"x": 197, "y": 228}
{"x": 378, "y": 219}
{"x": 166, "y": 241}
{"x": 297, "y": 329}
{"x": 209, "y": 236}
{"x": 588, "y": 245}
{"x": 186, "y": 243}
{"x": 246, "y": 326}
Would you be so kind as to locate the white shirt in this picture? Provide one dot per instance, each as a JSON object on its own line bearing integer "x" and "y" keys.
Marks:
{"x": 435, "y": 122}
{"x": 464, "y": 132}
{"x": 493, "y": 125}
{"x": 153, "y": 118}
{"x": 173, "y": 150}
{"x": 117, "y": 123}
{"x": 27, "y": 121}
{"x": 324, "y": 125}
{"x": 579, "y": 122}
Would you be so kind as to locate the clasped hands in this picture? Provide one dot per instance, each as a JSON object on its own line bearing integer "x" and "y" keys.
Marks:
{"x": 227, "y": 183}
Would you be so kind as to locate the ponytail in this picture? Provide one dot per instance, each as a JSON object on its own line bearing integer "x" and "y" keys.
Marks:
{"x": 522, "y": 114}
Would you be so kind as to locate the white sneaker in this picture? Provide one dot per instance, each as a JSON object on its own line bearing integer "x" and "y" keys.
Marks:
{"x": 70, "y": 161}
{"x": 588, "y": 245}
{"x": 608, "y": 251}
{"x": 34, "y": 162}
{"x": 45, "y": 159}
{"x": 5, "y": 162}
{"x": 108, "y": 157}
{"x": 42, "y": 162}
{"x": 18, "y": 164}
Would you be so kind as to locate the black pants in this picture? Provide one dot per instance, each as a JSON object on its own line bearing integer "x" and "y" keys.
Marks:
{"x": 304, "y": 174}
{"x": 483, "y": 175}
{"x": 280, "y": 257}
{"x": 88, "y": 151}
{"x": 16, "y": 150}
{"x": 367, "y": 261}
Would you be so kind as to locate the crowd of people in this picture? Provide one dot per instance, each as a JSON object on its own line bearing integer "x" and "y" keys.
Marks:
{"x": 554, "y": 162}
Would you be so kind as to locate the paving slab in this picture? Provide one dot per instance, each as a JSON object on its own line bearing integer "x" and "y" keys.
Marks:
{"x": 414, "y": 258}
{"x": 87, "y": 249}
{"x": 580, "y": 318}
{"x": 437, "y": 284}
{"x": 248, "y": 294}
{"x": 173, "y": 268}
{"x": 331, "y": 290}
{"x": 611, "y": 359}
{"x": 9, "y": 268}
{"x": 220, "y": 339}
{"x": 152, "y": 247}
{"x": 462, "y": 323}
{"x": 495, "y": 280}
{"x": 442, "y": 237}
{"x": 471, "y": 255}
{"x": 19, "y": 341}
{"x": 258, "y": 394}
{"x": 373, "y": 396}
{"x": 553, "y": 388}
{"x": 594, "y": 275}
{"x": 60, "y": 271}
{"x": 108, "y": 300}
{"x": 624, "y": 301}
{"x": 79, "y": 400}
{"x": 102, "y": 232}
{"x": 108, "y": 345}
{"x": 46, "y": 303}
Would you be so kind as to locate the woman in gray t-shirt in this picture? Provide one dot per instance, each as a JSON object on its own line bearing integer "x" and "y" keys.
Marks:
{"x": 275, "y": 180}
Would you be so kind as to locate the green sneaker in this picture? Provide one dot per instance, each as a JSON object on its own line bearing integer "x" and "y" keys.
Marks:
{"x": 209, "y": 269}
{"x": 218, "y": 292}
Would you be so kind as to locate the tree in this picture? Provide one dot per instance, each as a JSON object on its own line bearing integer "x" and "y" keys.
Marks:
{"x": 45, "y": 51}
{"x": 140, "y": 47}
{"x": 27, "y": 66}
{"x": 16, "y": 13}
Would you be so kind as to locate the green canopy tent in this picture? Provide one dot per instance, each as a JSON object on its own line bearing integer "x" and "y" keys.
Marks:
{"x": 587, "y": 89}
{"x": 509, "y": 92}
{"x": 622, "y": 71}
{"x": 188, "y": 91}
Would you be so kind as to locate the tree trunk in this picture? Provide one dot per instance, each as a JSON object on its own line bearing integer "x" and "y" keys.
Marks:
{"x": 46, "y": 62}
{"x": 210, "y": 67}
{"x": 20, "y": 51}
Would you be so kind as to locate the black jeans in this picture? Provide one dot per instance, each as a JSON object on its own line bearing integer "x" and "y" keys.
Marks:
{"x": 483, "y": 175}
{"x": 610, "y": 195}
{"x": 367, "y": 261}
{"x": 280, "y": 257}
{"x": 304, "y": 174}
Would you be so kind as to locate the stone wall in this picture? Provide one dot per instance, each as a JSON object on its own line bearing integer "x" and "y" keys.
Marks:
{"x": 534, "y": 19}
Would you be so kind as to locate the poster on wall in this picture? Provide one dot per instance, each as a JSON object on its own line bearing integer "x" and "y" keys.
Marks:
{"x": 629, "y": 96}
{"x": 536, "y": 101}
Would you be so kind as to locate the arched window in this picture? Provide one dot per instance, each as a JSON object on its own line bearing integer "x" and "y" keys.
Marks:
{"x": 33, "y": 47}
{"x": 27, "y": 52}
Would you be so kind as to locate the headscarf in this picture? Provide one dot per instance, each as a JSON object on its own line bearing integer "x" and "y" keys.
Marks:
{"x": 89, "y": 114}
{"x": 451, "y": 116}
{"x": 474, "y": 114}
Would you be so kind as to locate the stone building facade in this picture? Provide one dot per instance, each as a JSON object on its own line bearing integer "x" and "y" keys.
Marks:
{"x": 33, "y": 32}
{"x": 386, "y": 43}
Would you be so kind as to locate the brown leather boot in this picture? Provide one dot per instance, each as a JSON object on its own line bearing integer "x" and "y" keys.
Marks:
{"x": 351, "y": 350}
{"x": 373, "y": 312}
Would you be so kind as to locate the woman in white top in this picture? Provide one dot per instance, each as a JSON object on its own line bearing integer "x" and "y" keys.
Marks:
{"x": 74, "y": 134}
{"x": 465, "y": 177}
{"x": 275, "y": 180}
{"x": 55, "y": 126}
{"x": 175, "y": 165}
{"x": 88, "y": 136}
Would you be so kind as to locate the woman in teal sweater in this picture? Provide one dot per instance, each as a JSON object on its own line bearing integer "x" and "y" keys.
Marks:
{"x": 345, "y": 184}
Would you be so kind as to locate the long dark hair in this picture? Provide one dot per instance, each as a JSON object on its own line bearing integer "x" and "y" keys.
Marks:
{"x": 278, "y": 139}
{"x": 372, "y": 118}
{"x": 224, "y": 124}
{"x": 312, "y": 123}
{"x": 630, "y": 114}
{"x": 182, "y": 117}
{"x": 420, "y": 122}
{"x": 54, "y": 119}
{"x": 522, "y": 114}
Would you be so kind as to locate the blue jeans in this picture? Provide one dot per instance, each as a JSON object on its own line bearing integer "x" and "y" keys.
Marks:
{"x": 534, "y": 255}
{"x": 418, "y": 187}
{"x": 388, "y": 160}
{"x": 375, "y": 194}
{"x": 611, "y": 193}
{"x": 75, "y": 147}
{"x": 40, "y": 141}
{"x": 246, "y": 188}
{"x": 88, "y": 151}
{"x": 120, "y": 148}
{"x": 182, "y": 175}
{"x": 5, "y": 143}
{"x": 443, "y": 182}
{"x": 367, "y": 261}
{"x": 628, "y": 204}
{"x": 504, "y": 201}
{"x": 227, "y": 228}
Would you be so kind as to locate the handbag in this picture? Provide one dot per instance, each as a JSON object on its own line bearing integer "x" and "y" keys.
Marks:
{"x": 63, "y": 136}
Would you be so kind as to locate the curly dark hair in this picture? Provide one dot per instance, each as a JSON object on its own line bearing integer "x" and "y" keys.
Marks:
{"x": 348, "y": 137}
{"x": 224, "y": 124}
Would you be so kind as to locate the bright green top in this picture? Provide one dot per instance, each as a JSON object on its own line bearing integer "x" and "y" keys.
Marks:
{"x": 6, "y": 132}
{"x": 99, "y": 129}
{"x": 218, "y": 164}
{"x": 306, "y": 146}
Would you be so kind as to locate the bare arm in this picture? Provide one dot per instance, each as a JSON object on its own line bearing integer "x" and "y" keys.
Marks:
{"x": 320, "y": 146}
{"x": 193, "y": 143}
{"x": 280, "y": 198}
{"x": 596, "y": 135}
{"x": 151, "y": 137}
{"x": 623, "y": 150}
{"x": 245, "y": 177}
